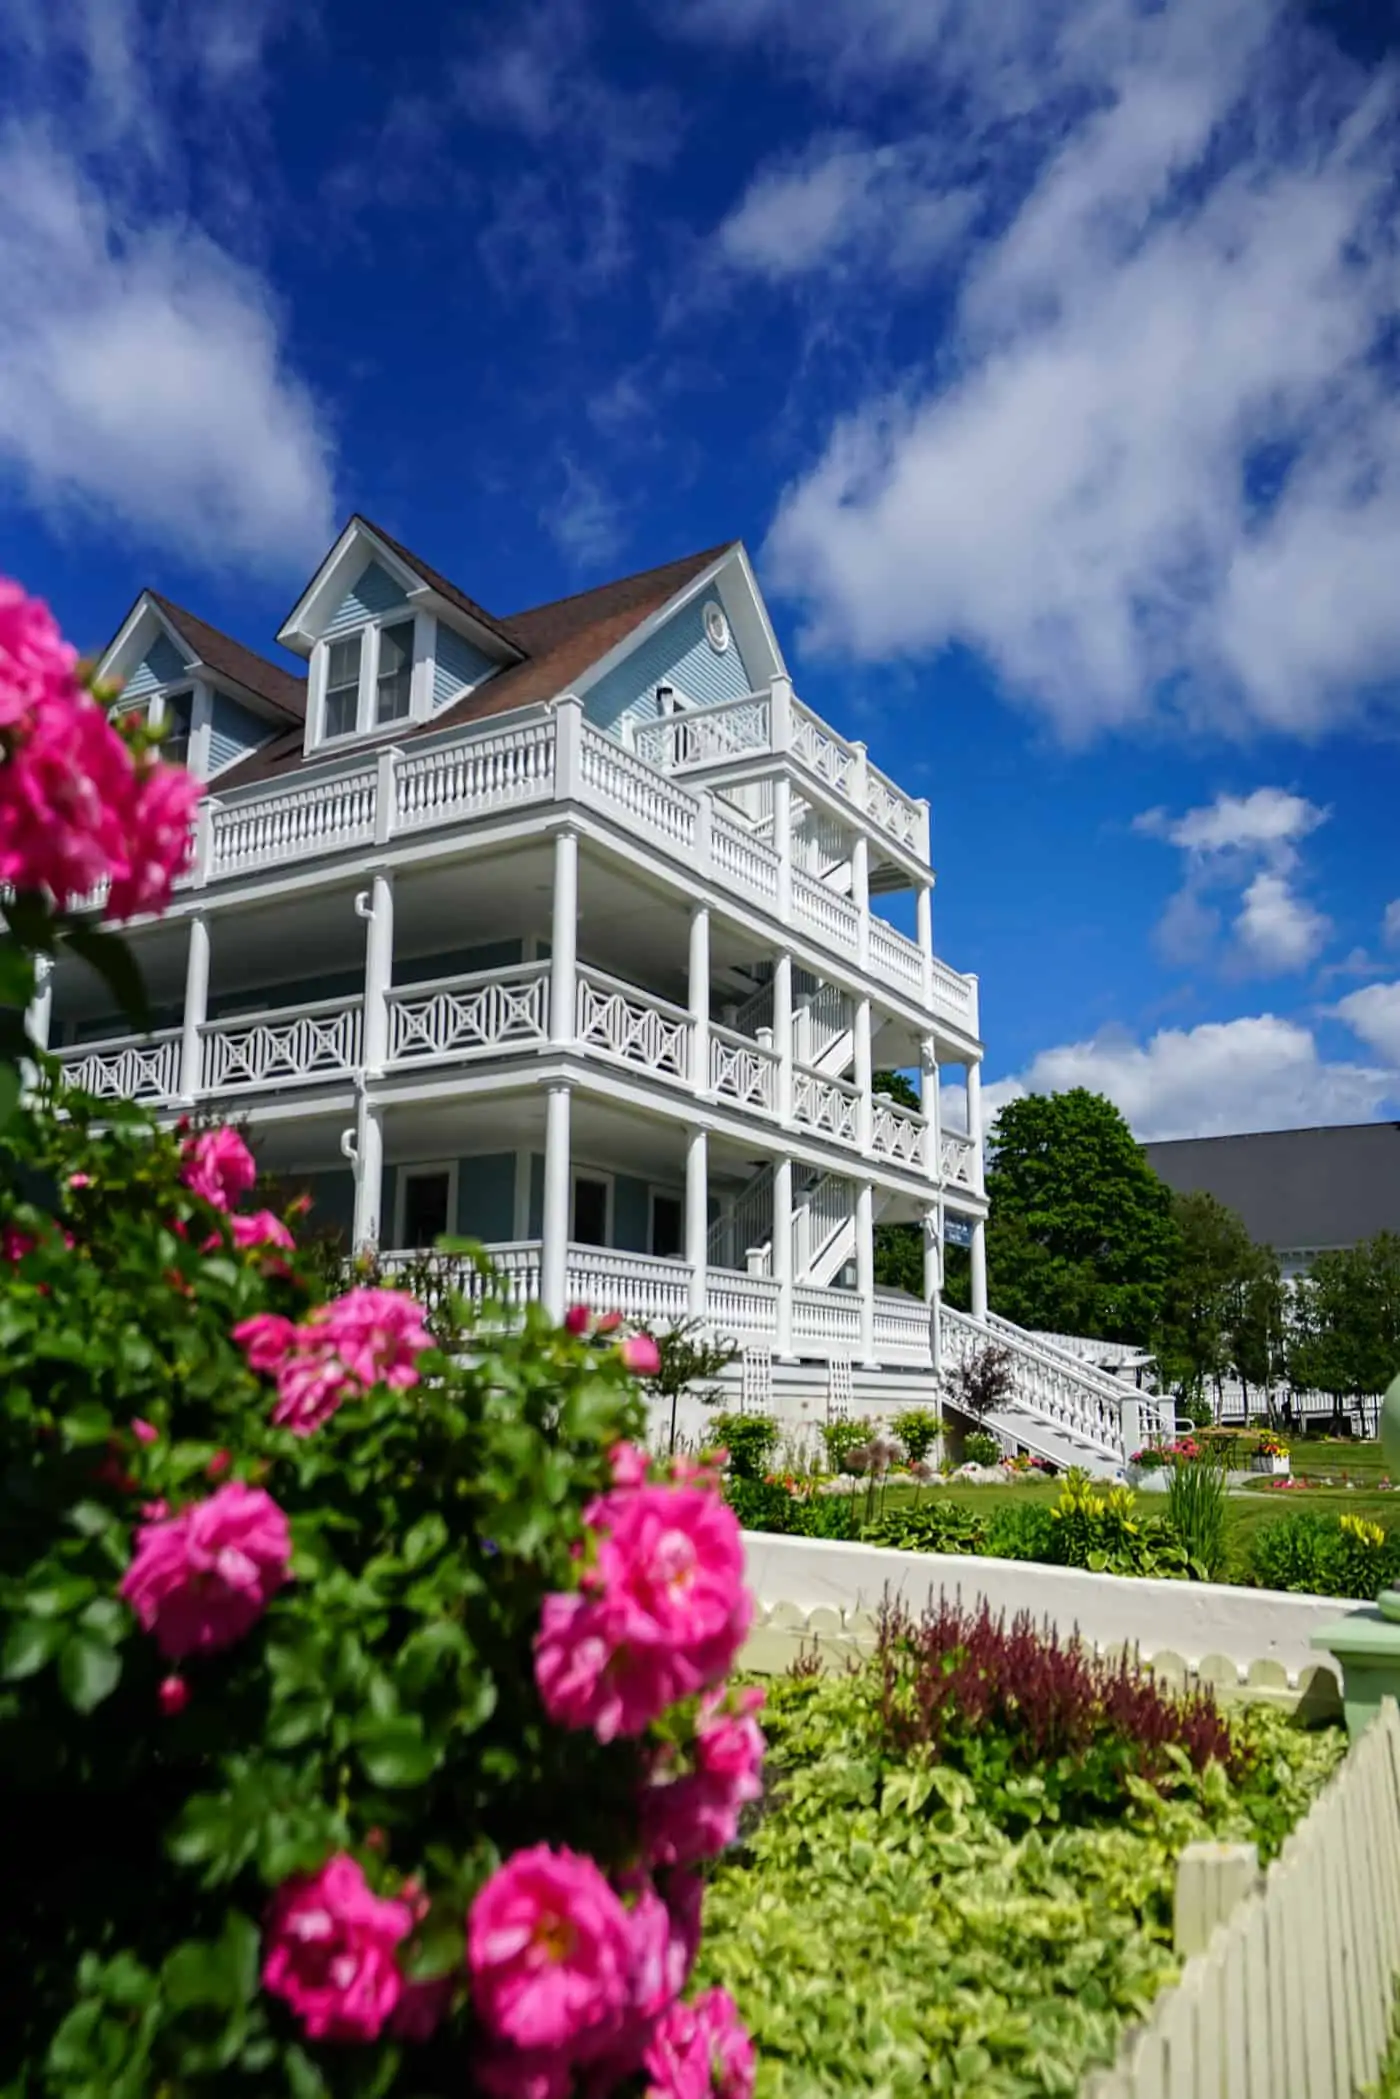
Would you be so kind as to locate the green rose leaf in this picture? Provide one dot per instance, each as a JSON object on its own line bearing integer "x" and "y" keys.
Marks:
{"x": 89, "y": 1669}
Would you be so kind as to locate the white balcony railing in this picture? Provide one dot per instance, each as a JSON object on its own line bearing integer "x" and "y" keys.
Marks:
{"x": 453, "y": 1018}
{"x": 632, "y": 1026}
{"x": 318, "y": 1041}
{"x": 707, "y": 735}
{"x": 897, "y": 1133}
{"x": 957, "y": 1159}
{"x": 828, "y": 1106}
{"x": 131, "y": 1067}
{"x": 743, "y": 1070}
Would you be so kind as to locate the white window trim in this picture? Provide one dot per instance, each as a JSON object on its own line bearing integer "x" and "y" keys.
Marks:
{"x": 420, "y": 1169}
{"x": 669, "y": 1195}
{"x": 581, "y": 1172}
{"x": 201, "y": 719}
{"x": 368, "y": 633}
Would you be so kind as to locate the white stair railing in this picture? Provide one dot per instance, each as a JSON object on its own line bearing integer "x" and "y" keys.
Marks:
{"x": 1050, "y": 1387}
{"x": 743, "y": 1225}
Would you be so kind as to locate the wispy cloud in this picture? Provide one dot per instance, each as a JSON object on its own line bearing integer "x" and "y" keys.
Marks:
{"x": 1155, "y": 467}
{"x": 1248, "y": 844}
{"x": 583, "y": 518}
{"x": 845, "y": 206}
{"x": 1373, "y": 1014}
{"x": 144, "y": 374}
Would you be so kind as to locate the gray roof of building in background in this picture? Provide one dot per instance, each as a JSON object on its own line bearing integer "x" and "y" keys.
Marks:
{"x": 1295, "y": 1189}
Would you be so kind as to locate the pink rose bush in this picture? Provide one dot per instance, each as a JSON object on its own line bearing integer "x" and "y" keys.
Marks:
{"x": 338, "y": 1352}
{"x": 80, "y": 804}
{"x": 330, "y": 1951}
{"x": 201, "y": 1579}
{"x": 692, "y": 1815}
{"x": 218, "y": 1166}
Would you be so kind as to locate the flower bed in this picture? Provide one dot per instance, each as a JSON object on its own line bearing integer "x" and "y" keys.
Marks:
{"x": 990, "y": 1918}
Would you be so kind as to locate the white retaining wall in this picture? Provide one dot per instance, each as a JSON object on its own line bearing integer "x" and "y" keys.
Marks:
{"x": 1194, "y": 1620}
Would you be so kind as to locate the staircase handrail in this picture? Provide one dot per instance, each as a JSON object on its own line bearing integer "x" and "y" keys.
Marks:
{"x": 1101, "y": 1381}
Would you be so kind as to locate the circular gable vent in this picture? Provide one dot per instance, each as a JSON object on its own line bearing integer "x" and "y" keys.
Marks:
{"x": 716, "y": 628}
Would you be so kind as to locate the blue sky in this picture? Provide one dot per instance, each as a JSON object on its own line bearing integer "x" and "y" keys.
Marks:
{"x": 1042, "y": 352}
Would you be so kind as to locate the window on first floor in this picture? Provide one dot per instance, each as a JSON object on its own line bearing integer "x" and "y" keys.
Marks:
{"x": 590, "y": 1225}
{"x": 342, "y": 687}
{"x": 427, "y": 1199}
{"x": 394, "y": 679}
{"x": 667, "y": 1227}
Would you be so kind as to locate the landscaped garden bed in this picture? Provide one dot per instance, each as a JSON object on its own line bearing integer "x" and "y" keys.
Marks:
{"x": 960, "y": 1878}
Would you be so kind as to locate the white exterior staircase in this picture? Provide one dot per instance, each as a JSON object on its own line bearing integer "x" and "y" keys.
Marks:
{"x": 823, "y": 1227}
{"x": 1060, "y": 1408}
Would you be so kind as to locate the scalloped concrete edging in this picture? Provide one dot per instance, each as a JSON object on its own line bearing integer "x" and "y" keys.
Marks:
{"x": 1251, "y": 1643}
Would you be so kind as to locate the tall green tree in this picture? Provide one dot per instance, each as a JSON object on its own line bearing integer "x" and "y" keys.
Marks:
{"x": 1080, "y": 1235}
{"x": 1214, "y": 1256}
{"x": 899, "y": 1248}
{"x": 1346, "y": 1329}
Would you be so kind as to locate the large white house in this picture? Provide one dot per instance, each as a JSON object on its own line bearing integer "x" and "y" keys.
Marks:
{"x": 566, "y": 931}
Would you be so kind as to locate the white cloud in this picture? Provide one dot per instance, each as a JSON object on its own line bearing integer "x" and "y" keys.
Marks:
{"x": 143, "y": 376}
{"x": 1223, "y": 1077}
{"x": 841, "y": 203}
{"x": 1247, "y": 843}
{"x": 584, "y": 519}
{"x": 1373, "y": 1014}
{"x": 1157, "y": 464}
{"x": 1390, "y": 924}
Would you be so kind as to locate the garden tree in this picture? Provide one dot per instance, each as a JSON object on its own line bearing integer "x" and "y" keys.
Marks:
{"x": 1256, "y": 1327}
{"x": 1346, "y": 1326}
{"x": 899, "y": 1248}
{"x": 1214, "y": 1256}
{"x": 1080, "y": 1236}
{"x": 685, "y": 1359}
{"x": 981, "y": 1381}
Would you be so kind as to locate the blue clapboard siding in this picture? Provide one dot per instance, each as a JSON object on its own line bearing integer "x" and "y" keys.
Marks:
{"x": 457, "y": 665}
{"x": 676, "y": 654}
{"x": 332, "y": 1199}
{"x": 457, "y": 961}
{"x": 233, "y": 732}
{"x": 375, "y": 592}
{"x": 162, "y": 664}
{"x": 486, "y": 1196}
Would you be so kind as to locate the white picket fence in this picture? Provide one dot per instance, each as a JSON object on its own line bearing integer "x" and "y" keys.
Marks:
{"x": 1292, "y": 1996}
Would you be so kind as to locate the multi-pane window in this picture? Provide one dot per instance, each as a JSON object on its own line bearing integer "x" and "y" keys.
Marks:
{"x": 395, "y": 676}
{"x": 426, "y": 1199}
{"x": 343, "y": 687}
{"x": 179, "y": 712}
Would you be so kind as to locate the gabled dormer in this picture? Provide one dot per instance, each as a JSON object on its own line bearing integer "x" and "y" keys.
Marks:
{"x": 389, "y": 642}
{"x": 216, "y": 700}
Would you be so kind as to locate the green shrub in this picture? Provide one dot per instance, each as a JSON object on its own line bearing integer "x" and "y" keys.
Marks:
{"x": 761, "y": 1505}
{"x": 1024, "y": 1531}
{"x": 981, "y": 1448}
{"x": 1098, "y": 1528}
{"x": 1325, "y": 1555}
{"x": 1198, "y": 1514}
{"x": 930, "y": 1526}
{"x": 750, "y": 1439}
{"x": 918, "y": 1429}
{"x": 843, "y": 1436}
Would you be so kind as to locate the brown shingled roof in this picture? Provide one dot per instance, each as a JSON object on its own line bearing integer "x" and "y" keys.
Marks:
{"x": 561, "y": 640}
{"x": 438, "y": 582}
{"x": 280, "y": 688}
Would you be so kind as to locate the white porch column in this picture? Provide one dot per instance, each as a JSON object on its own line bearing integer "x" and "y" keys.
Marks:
{"x": 929, "y": 1103}
{"x": 864, "y": 1067}
{"x": 782, "y": 844}
{"x": 979, "y": 1270}
{"x": 933, "y": 1253}
{"x": 376, "y": 907}
{"x": 923, "y": 921}
{"x": 196, "y": 1006}
{"x": 865, "y": 1268}
{"x": 368, "y": 1157}
{"x": 697, "y": 1219}
{"x": 974, "y": 1119}
{"x": 860, "y": 897}
{"x": 563, "y": 941}
{"x": 700, "y": 998}
{"x": 782, "y": 1032}
{"x": 782, "y": 1251}
{"x": 554, "y": 1252}
{"x": 38, "y": 1019}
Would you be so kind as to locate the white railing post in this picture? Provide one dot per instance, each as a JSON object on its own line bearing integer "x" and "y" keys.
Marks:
{"x": 704, "y": 849}
{"x": 933, "y": 1249}
{"x": 568, "y": 745}
{"x": 554, "y": 1248}
{"x": 376, "y": 907}
{"x": 697, "y": 1219}
{"x": 384, "y": 794}
{"x": 782, "y": 845}
{"x": 196, "y": 1007}
{"x": 929, "y": 1102}
{"x": 366, "y": 1150}
{"x": 865, "y": 1268}
{"x": 780, "y": 714}
{"x": 865, "y": 1078}
{"x": 924, "y": 840}
{"x": 202, "y": 860}
{"x": 700, "y": 998}
{"x": 563, "y": 935}
{"x": 782, "y": 1033}
{"x": 860, "y": 897}
{"x": 38, "y": 1018}
{"x": 974, "y": 1120}
{"x": 978, "y": 1263}
{"x": 923, "y": 907}
{"x": 782, "y": 1251}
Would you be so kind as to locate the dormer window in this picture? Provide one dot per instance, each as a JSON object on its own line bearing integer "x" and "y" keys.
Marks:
{"x": 343, "y": 687}
{"x": 395, "y": 673}
{"x": 177, "y": 718}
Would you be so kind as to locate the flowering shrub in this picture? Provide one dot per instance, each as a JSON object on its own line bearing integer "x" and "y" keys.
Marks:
{"x": 1268, "y": 1444}
{"x": 1152, "y": 1459}
{"x": 369, "y": 1679}
{"x": 981, "y": 1448}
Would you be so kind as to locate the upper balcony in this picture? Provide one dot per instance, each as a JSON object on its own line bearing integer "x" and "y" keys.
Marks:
{"x": 682, "y": 789}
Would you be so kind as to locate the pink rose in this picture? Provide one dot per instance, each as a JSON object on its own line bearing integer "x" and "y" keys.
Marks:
{"x": 577, "y": 1319}
{"x": 266, "y": 1340}
{"x": 36, "y": 663}
{"x": 143, "y": 1431}
{"x": 549, "y": 1950}
{"x": 80, "y": 1180}
{"x": 201, "y": 1579}
{"x": 159, "y": 838}
{"x": 629, "y": 1465}
{"x": 15, "y": 1244}
{"x": 218, "y": 1166}
{"x": 696, "y": 1816}
{"x": 338, "y": 1352}
{"x": 173, "y": 1696}
{"x": 331, "y": 1952}
{"x": 701, "y": 2051}
{"x": 66, "y": 792}
{"x": 662, "y": 1614}
{"x": 260, "y": 1228}
{"x": 522, "y": 2073}
{"x": 640, "y": 1355}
